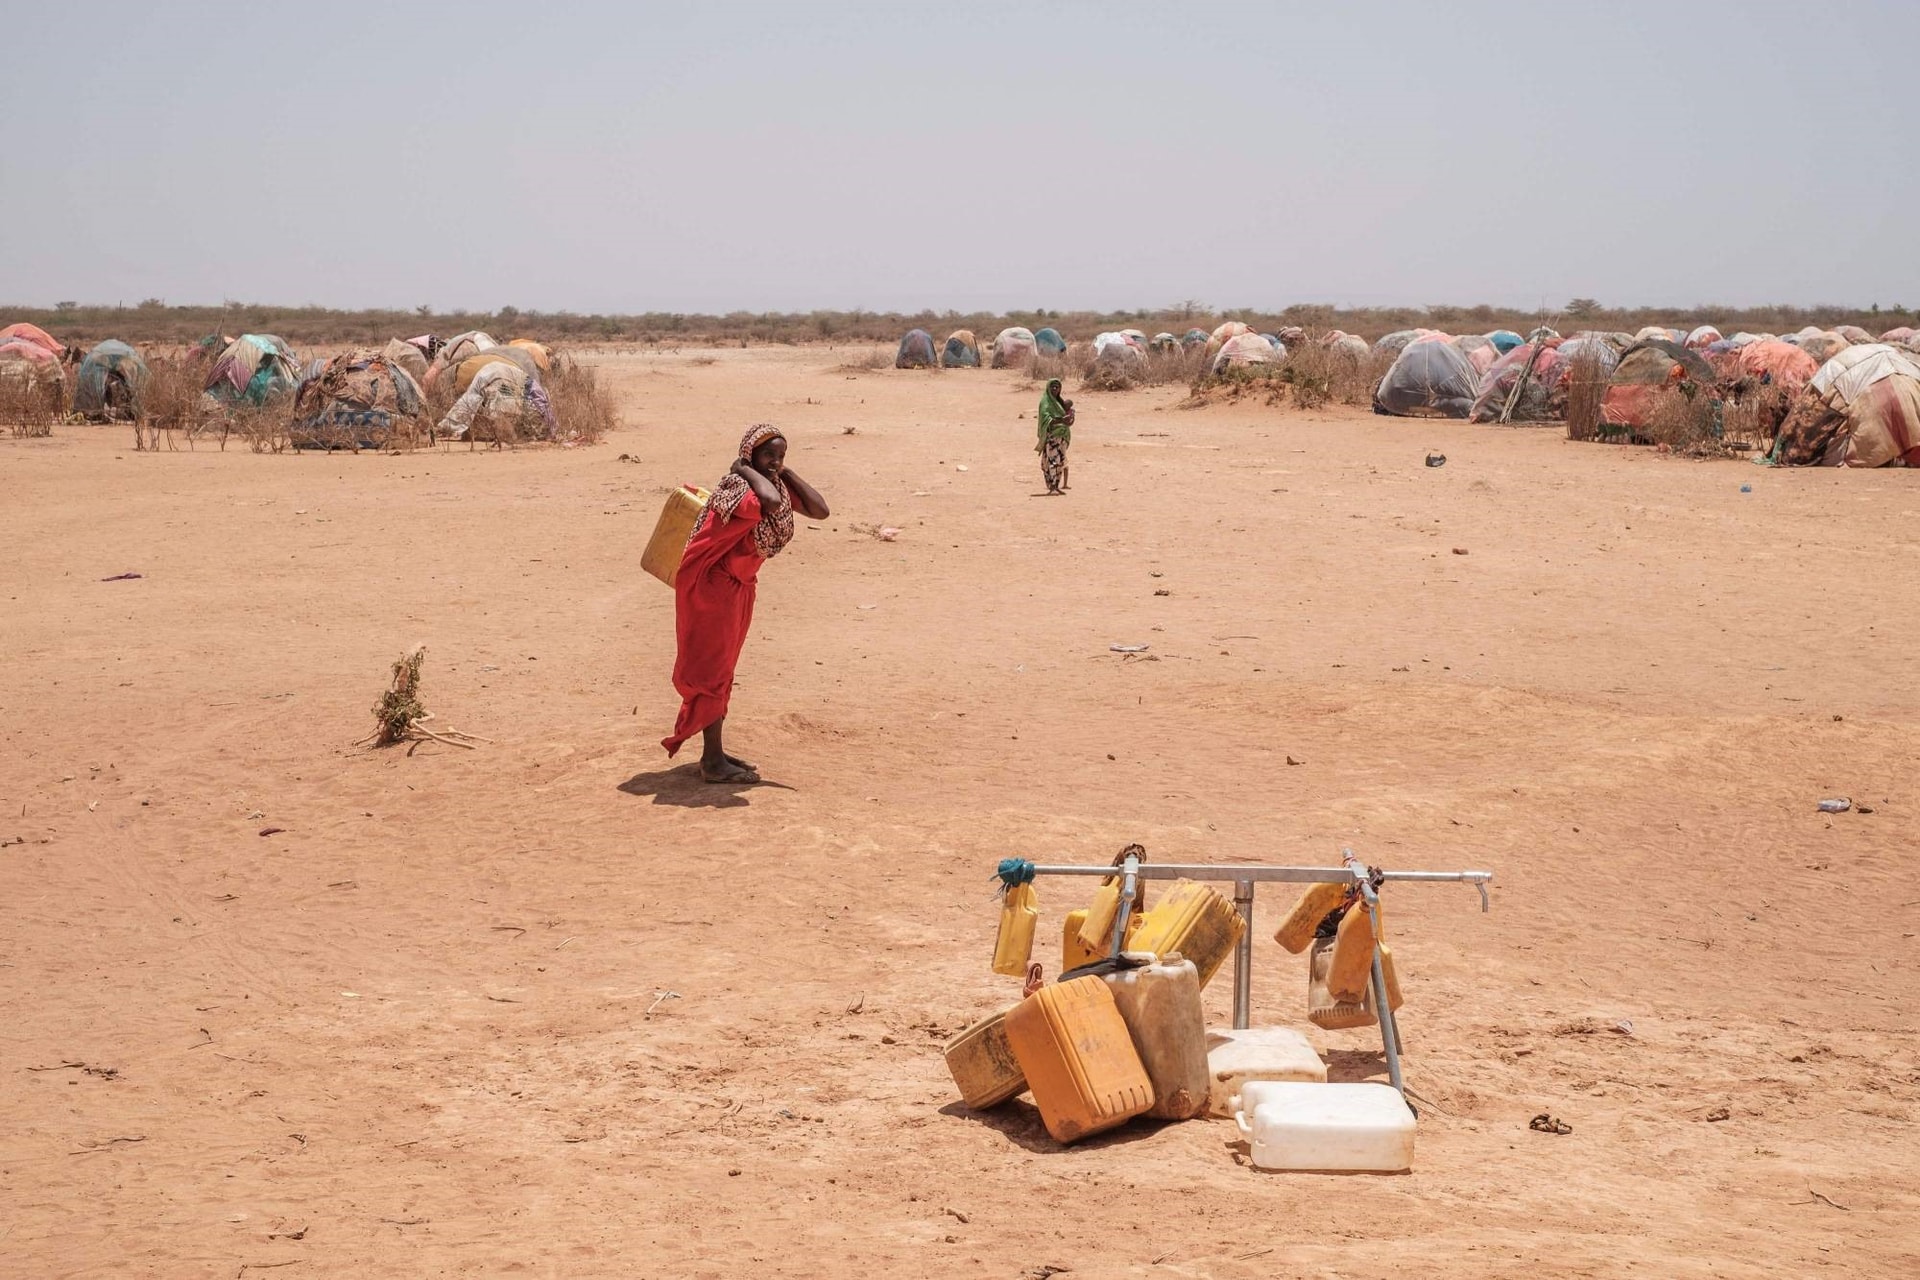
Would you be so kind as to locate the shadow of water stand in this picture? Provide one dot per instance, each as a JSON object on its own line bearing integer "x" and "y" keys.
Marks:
{"x": 1368, "y": 880}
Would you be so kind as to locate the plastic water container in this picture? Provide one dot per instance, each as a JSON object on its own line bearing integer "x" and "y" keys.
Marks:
{"x": 1013, "y": 945}
{"x": 1309, "y": 909}
{"x": 1332, "y": 1128}
{"x": 670, "y": 533}
{"x": 1160, "y": 1002}
{"x": 982, "y": 1064}
{"x": 1074, "y": 952}
{"x": 1195, "y": 921}
{"x": 1351, "y": 967}
{"x": 1326, "y": 1010}
{"x": 1238, "y": 1058}
{"x": 1078, "y": 1057}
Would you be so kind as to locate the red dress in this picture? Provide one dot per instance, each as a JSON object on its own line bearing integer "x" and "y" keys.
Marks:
{"x": 713, "y": 605}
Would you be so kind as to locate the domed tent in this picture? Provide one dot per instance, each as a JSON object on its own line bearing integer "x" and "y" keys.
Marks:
{"x": 1049, "y": 341}
{"x": 1118, "y": 366}
{"x": 1862, "y": 409}
{"x": 1223, "y": 331}
{"x": 359, "y": 400}
{"x": 455, "y": 349}
{"x": 1163, "y": 343}
{"x": 1504, "y": 340}
{"x": 1853, "y": 333}
{"x": 255, "y": 369}
{"x": 110, "y": 383}
{"x": 1194, "y": 338}
{"x": 1660, "y": 333}
{"x": 462, "y": 375}
{"x": 1350, "y": 345}
{"x": 1903, "y": 334}
{"x": 1013, "y": 346}
{"x": 1397, "y": 341}
{"x": 1822, "y": 346}
{"x": 504, "y": 401}
{"x": 405, "y": 355}
{"x": 1135, "y": 337}
{"x": 1702, "y": 338}
{"x": 34, "y": 335}
{"x": 916, "y": 351}
{"x": 1645, "y": 370}
{"x": 1540, "y": 367}
{"x": 962, "y": 350}
{"x": 1244, "y": 349}
{"x": 542, "y": 355}
{"x": 1428, "y": 380}
{"x": 1776, "y": 363}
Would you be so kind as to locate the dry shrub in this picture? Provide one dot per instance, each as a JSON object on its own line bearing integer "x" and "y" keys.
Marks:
{"x": 1685, "y": 422}
{"x": 583, "y": 409}
{"x": 1075, "y": 362}
{"x": 1754, "y": 414}
{"x": 30, "y": 401}
{"x": 1312, "y": 375}
{"x": 1585, "y": 387}
{"x": 875, "y": 359}
{"x": 173, "y": 401}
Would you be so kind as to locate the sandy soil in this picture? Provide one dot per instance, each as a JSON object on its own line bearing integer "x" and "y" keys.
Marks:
{"x": 420, "y": 1030}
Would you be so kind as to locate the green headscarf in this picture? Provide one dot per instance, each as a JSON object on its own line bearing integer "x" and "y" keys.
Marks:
{"x": 1053, "y": 416}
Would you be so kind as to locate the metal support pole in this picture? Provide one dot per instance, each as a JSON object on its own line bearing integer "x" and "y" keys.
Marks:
{"x": 1243, "y": 957}
{"x": 1129, "y": 892}
{"x": 1382, "y": 1008}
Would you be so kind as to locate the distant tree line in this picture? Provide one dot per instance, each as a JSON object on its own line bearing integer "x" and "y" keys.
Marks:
{"x": 154, "y": 321}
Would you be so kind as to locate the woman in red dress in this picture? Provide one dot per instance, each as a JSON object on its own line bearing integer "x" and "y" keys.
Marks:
{"x": 748, "y": 520}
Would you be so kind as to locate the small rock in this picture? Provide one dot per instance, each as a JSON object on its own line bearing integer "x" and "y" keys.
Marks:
{"x": 1459, "y": 551}
{"x": 1291, "y": 760}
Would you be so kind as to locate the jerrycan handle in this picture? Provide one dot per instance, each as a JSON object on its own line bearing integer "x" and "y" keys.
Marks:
{"x": 1240, "y": 1118}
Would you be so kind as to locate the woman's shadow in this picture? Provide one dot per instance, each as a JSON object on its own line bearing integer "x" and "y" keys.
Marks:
{"x": 683, "y": 786}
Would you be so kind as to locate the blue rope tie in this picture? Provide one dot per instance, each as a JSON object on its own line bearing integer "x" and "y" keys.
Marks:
{"x": 1015, "y": 871}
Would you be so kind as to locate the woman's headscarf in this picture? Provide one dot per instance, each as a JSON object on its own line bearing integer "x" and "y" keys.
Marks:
{"x": 1053, "y": 414}
{"x": 775, "y": 529}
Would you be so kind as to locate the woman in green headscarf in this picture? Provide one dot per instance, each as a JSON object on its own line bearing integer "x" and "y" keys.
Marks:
{"x": 1056, "y": 433}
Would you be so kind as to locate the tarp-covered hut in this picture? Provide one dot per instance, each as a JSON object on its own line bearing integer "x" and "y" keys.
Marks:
{"x": 1429, "y": 379}
{"x": 1048, "y": 341}
{"x": 1861, "y": 409}
{"x": 110, "y": 383}
{"x": 1013, "y": 346}
{"x": 962, "y": 350}
{"x": 358, "y": 400}
{"x": 1646, "y": 369}
{"x": 256, "y": 369}
{"x": 916, "y": 351}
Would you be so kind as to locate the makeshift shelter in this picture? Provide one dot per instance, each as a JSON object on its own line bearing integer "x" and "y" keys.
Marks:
{"x": 406, "y": 355}
{"x": 1289, "y": 336}
{"x": 1350, "y": 345}
{"x": 542, "y": 355}
{"x": 1013, "y": 346}
{"x": 1743, "y": 338}
{"x": 1854, "y": 333}
{"x": 110, "y": 382}
{"x": 1049, "y": 341}
{"x": 1659, "y": 333}
{"x": 1117, "y": 366}
{"x": 1101, "y": 341}
{"x": 1822, "y": 346}
{"x": 359, "y": 400}
{"x": 464, "y": 373}
{"x": 1904, "y": 335}
{"x": 1504, "y": 340}
{"x": 209, "y": 348}
{"x": 1194, "y": 338}
{"x": 1163, "y": 342}
{"x": 916, "y": 351}
{"x": 1244, "y": 349}
{"x": 962, "y": 350}
{"x": 28, "y": 364}
{"x": 1776, "y": 363}
{"x": 1221, "y": 334}
{"x": 26, "y": 349}
{"x": 1135, "y": 337}
{"x": 34, "y": 334}
{"x": 1536, "y": 370}
{"x": 255, "y": 369}
{"x": 1428, "y": 380}
{"x": 1861, "y": 409}
{"x": 460, "y": 347}
{"x": 1646, "y": 369}
{"x": 1702, "y": 338}
{"x": 504, "y": 401}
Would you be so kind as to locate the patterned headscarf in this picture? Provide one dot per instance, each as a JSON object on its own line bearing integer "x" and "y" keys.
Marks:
{"x": 775, "y": 529}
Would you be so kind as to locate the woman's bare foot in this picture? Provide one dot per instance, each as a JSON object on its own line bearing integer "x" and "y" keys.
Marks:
{"x": 738, "y": 763}
{"x": 726, "y": 772}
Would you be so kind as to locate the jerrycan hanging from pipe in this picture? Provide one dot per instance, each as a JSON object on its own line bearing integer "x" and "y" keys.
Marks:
{"x": 1019, "y": 914}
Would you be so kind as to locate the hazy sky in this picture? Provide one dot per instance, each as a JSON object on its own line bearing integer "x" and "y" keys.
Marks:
{"x": 713, "y": 156}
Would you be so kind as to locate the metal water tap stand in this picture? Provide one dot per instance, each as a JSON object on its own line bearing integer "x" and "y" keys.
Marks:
{"x": 1132, "y": 870}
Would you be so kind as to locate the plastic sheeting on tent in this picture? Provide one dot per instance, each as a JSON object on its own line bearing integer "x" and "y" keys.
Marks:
{"x": 1541, "y": 368}
{"x": 256, "y": 369}
{"x": 1702, "y": 338}
{"x": 1822, "y": 346}
{"x": 1429, "y": 379}
{"x": 1854, "y": 333}
{"x": 962, "y": 350}
{"x": 1228, "y": 329}
{"x": 503, "y": 395}
{"x": 1478, "y": 350}
{"x": 1660, "y": 333}
{"x": 110, "y": 383}
{"x": 34, "y": 334}
{"x": 1164, "y": 342}
{"x": 356, "y": 401}
{"x": 1012, "y": 346}
{"x": 455, "y": 349}
{"x": 1903, "y": 334}
{"x": 407, "y": 356}
{"x": 1862, "y": 409}
{"x": 467, "y": 370}
{"x": 1247, "y": 348}
{"x": 1101, "y": 341}
{"x": 1194, "y": 338}
{"x": 1743, "y": 338}
{"x": 1350, "y": 345}
{"x": 1646, "y": 369}
{"x": 1397, "y": 341}
{"x": 542, "y": 355}
{"x": 1049, "y": 341}
{"x": 1135, "y": 337}
{"x": 916, "y": 351}
{"x": 1779, "y": 364}
{"x": 1505, "y": 340}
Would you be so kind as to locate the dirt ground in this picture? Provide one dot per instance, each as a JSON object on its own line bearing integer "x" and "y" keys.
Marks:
{"x": 424, "y": 1027}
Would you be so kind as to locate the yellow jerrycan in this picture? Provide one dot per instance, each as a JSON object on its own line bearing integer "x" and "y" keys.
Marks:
{"x": 669, "y": 541}
{"x": 1309, "y": 909}
{"x": 1013, "y": 946}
